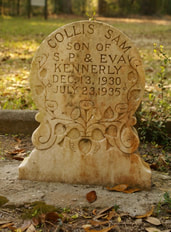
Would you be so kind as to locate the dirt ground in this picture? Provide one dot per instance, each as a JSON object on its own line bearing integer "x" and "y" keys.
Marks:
{"x": 111, "y": 211}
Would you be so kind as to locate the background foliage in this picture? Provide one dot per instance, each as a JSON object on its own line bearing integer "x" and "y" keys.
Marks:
{"x": 80, "y": 7}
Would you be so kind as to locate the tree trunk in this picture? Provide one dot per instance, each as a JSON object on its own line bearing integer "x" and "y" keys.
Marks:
{"x": 18, "y": 7}
{"x": 55, "y": 7}
{"x": 67, "y": 6}
{"x": 102, "y": 7}
{"x": 29, "y": 8}
{"x": 1, "y": 7}
{"x": 46, "y": 10}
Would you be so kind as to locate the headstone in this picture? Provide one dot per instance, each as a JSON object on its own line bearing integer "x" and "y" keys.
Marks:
{"x": 87, "y": 81}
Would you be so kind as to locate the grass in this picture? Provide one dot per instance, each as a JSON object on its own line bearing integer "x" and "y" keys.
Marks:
{"x": 20, "y": 37}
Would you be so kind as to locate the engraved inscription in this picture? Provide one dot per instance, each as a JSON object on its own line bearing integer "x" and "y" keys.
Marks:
{"x": 88, "y": 86}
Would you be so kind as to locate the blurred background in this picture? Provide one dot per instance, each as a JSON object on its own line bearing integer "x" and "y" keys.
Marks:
{"x": 107, "y": 8}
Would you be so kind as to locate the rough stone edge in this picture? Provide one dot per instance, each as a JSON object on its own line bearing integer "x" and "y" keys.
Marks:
{"x": 23, "y": 122}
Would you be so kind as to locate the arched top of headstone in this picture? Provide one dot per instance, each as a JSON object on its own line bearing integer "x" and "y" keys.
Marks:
{"x": 87, "y": 61}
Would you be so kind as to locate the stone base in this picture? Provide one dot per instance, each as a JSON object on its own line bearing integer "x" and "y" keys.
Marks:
{"x": 106, "y": 168}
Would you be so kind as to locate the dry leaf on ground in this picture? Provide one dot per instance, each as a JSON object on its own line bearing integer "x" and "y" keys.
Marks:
{"x": 152, "y": 229}
{"x": 31, "y": 229}
{"x": 103, "y": 230}
{"x": 148, "y": 214}
{"x": 94, "y": 212}
{"x": 16, "y": 151}
{"x": 6, "y": 225}
{"x": 153, "y": 220}
{"x": 91, "y": 196}
{"x": 105, "y": 210}
{"x": 86, "y": 227}
{"x": 132, "y": 190}
{"x": 4, "y": 222}
{"x": 52, "y": 217}
{"x": 118, "y": 188}
{"x": 19, "y": 156}
{"x": 98, "y": 223}
{"x": 111, "y": 215}
{"x": 123, "y": 188}
{"x": 25, "y": 226}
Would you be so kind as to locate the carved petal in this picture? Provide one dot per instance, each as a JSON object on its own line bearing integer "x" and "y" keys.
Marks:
{"x": 112, "y": 130}
{"x": 110, "y": 140}
{"x": 86, "y": 104}
{"x": 97, "y": 135}
{"x": 43, "y": 73}
{"x": 135, "y": 94}
{"x": 109, "y": 113}
{"x": 51, "y": 105}
{"x": 39, "y": 89}
{"x": 75, "y": 113}
{"x": 129, "y": 138}
{"x": 132, "y": 77}
{"x": 85, "y": 145}
{"x": 73, "y": 133}
{"x": 60, "y": 129}
{"x": 121, "y": 108}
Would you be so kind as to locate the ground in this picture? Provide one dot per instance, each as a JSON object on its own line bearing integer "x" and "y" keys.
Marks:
{"x": 72, "y": 210}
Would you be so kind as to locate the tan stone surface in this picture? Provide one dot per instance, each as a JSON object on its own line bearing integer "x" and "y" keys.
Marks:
{"x": 87, "y": 80}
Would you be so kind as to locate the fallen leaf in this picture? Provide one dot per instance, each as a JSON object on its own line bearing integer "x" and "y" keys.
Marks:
{"x": 103, "y": 230}
{"x": 91, "y": 196}
{"x": 31, "y": 228}
{"x": 148, "y": 214}
{"x": 154, "y": 166}
{"x": 119, "y": 219}
{"x": 87, "y": 216}
{"x": 111, "y": 215}
{"x": 87, "y": 226}
{"x": 132, "y": 190}
{"x": 153, "y": 220}
{"x": 25, "y": 226}
{"x": 18, "y": 157}
{"x": 7, "y": 225}
{"x": 52, "y": 217}
{"x": 94, "y": 212}
{"x": 36, "y": 221}
{"x": 139, "y": 221}
{"x": 151, "y": 229}
{"x": 13, "y": 228}
{"x": 118, "y": 188}
{"x": 16, "y": 151}
{"x": 98, "y": 223}
{"x": 4, "y": 222}
{"x": 75, "y": 216}
{"x": 105, "y": 210}
{"x": 17, "y": 139}
{"x": 41, "y": 218}
{"x": 123, "y": 188}
{"x": 162, "y": 161}
{"x": 100, "y": 216}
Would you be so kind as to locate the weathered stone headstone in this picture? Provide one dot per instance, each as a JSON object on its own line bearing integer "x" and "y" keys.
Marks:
{"x": 87, "y": 80}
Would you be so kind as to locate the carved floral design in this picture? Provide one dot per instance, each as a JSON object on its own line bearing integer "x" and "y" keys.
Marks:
{"x": 87, "y": 127}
